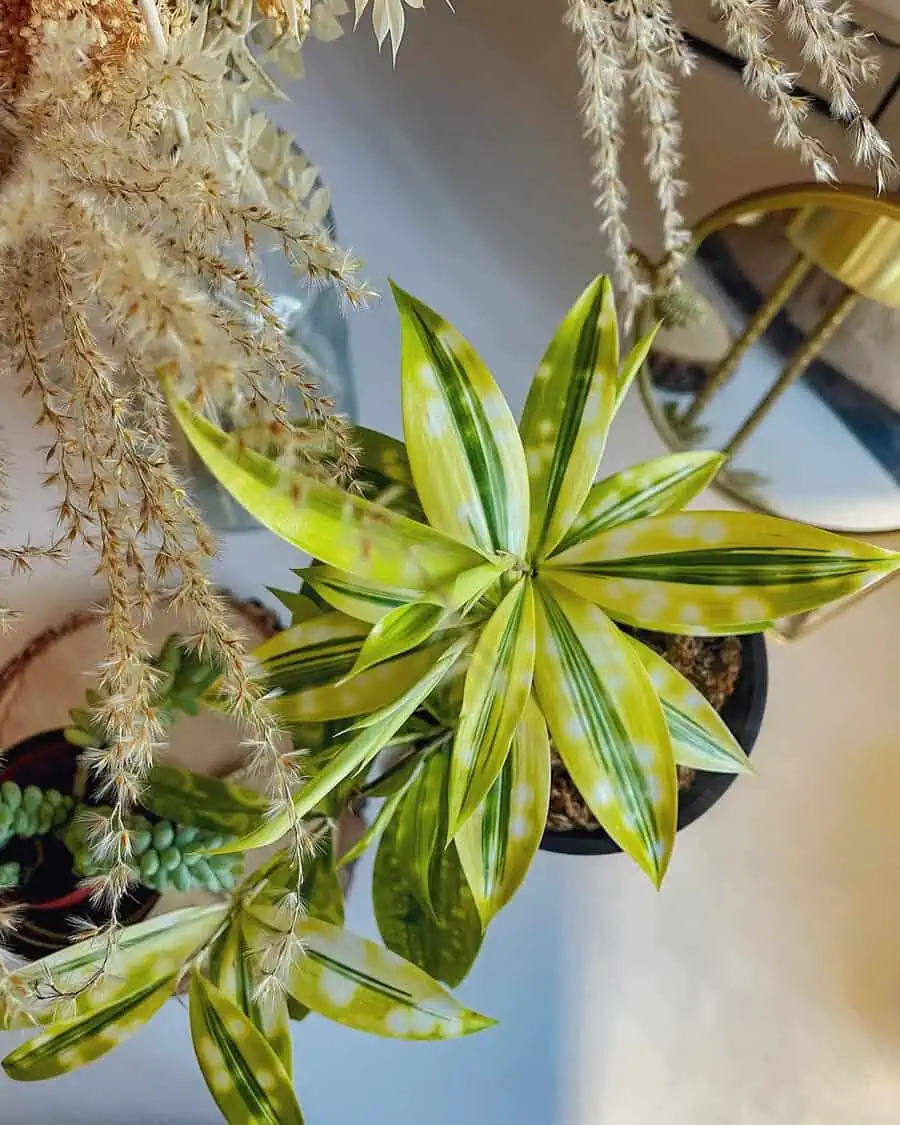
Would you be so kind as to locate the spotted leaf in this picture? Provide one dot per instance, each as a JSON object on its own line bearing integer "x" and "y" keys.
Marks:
{"x": 716, "y": 573}
{"x": 567, "y": 414}
{"x": 497, "y": 685}
{"x": 665, "y": 484}
{"x": 203, "y": 802}
{"x": 444, "y": 941}
{"x": 607, "y": 724}
{"x": 383, "y": 454}
{"x": 334, "y": 526}
{"x": 498, "y": 842}
{"x": 232, "y": 970}
{"x": 244, "y": 1074}
{"x": 419, "y": 825}
{"x": 73, "y": 1043}
{"x": 150, "y": 951}
{"x": 461, "y": 438}
{"x": 363, "y": 744}
{"x": 700, "y": 738}
{"x": 360, "y": 984}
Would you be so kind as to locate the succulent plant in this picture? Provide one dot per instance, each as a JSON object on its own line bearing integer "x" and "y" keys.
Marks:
{"x": 500, "y": 615}
{"x": 166, "y": 855}
{"x": 30, "y": 811}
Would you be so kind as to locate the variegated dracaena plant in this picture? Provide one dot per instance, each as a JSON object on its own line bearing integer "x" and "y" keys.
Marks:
{"x": 515, "y": 586}
{"x": 87, "y": 998}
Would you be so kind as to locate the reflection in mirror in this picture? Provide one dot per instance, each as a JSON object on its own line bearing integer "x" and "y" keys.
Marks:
{"x": 792, "y": 363}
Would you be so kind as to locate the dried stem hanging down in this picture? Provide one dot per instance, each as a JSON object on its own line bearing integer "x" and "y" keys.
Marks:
{"x": 127, "y": 258}
{"x": 638, "y": 43}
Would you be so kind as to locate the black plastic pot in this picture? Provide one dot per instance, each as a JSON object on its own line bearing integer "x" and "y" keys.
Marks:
{"x": 51, "y": 894}
{"x": 742, "y": 713}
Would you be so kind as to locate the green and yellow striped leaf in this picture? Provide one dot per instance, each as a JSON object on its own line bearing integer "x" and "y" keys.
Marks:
{"x": 418, "y": 826}
{"x": 409, "y": 626}
{"x": 374, "y": 831}
{"x": 700, "y": 738}
{"x": 607, "y": 724}
{"x": 632, "y": 365}
{"x": 360, "y": 984}
{"x": 461, "y": 438}
{"x": 357, "y": 752}
{"x": 76, "y": 1042}
{"x": 148, "y": 952}
{"x": 665, "y": 484}
{"x": 713, "y": 573}
{"x": 334, "y": 526}
{"x": 497, "y": 685}
{"x": 445, "y": 941}
{"x": 498, "y": 842}
{"x": 244, "y": 1074}
{"x": 307, "y": 667}
{"x": 397, "y": 632}
{"x": 231, "y": 968}
{"x": 365, "y": 601}
{"x": 567, "y": 414}
{"x": 203, "y": 802}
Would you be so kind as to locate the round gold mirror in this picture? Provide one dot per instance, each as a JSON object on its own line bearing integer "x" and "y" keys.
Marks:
{"x": 791, "y": 364}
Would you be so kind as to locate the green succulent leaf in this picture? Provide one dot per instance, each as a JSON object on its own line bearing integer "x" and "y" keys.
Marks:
{"x": 73, "y": 1043}
{"x": 231, "y": 968}
{"x": 607, "y": 724}
{"x": 361, "y": 748}
{"x": 700, "y": 738}
{"x": 567, "y": 414}
{"x": 360, "y": 984}
{"x": 665, "y": 484}
{"x": 202, "y": 802}
{"x": 498, "y": 842}
{"x": 244, "y": 1074}
{"x": 461, "y": 438}
{"x": 714, "y": 573}
{"x": 497, "y": 685}
{"x": 365, "y": 601}
{"x": 443, "y": 942}
{"x": 337, "y": 527}
{"x": 148, "y": 952}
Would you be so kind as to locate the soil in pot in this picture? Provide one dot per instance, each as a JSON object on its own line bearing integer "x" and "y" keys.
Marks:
{"x": 50, "y": 892}
{"x": 723, "y": 669}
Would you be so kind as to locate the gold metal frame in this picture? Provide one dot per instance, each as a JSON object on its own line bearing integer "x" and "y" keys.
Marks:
{"x": 865, "y": 267}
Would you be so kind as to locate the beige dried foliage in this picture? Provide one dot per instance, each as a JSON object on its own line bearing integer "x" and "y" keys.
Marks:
{"x": 131, "y": 207}
{"x": 627, "y": 45}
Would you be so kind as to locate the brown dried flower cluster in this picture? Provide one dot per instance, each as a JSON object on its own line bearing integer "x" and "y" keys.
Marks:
{"x": 631, "y": 46}
{"x": 130, "y": 210}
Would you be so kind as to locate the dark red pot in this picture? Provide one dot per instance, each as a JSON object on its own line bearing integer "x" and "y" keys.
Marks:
{"x": 51, "y": 894}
